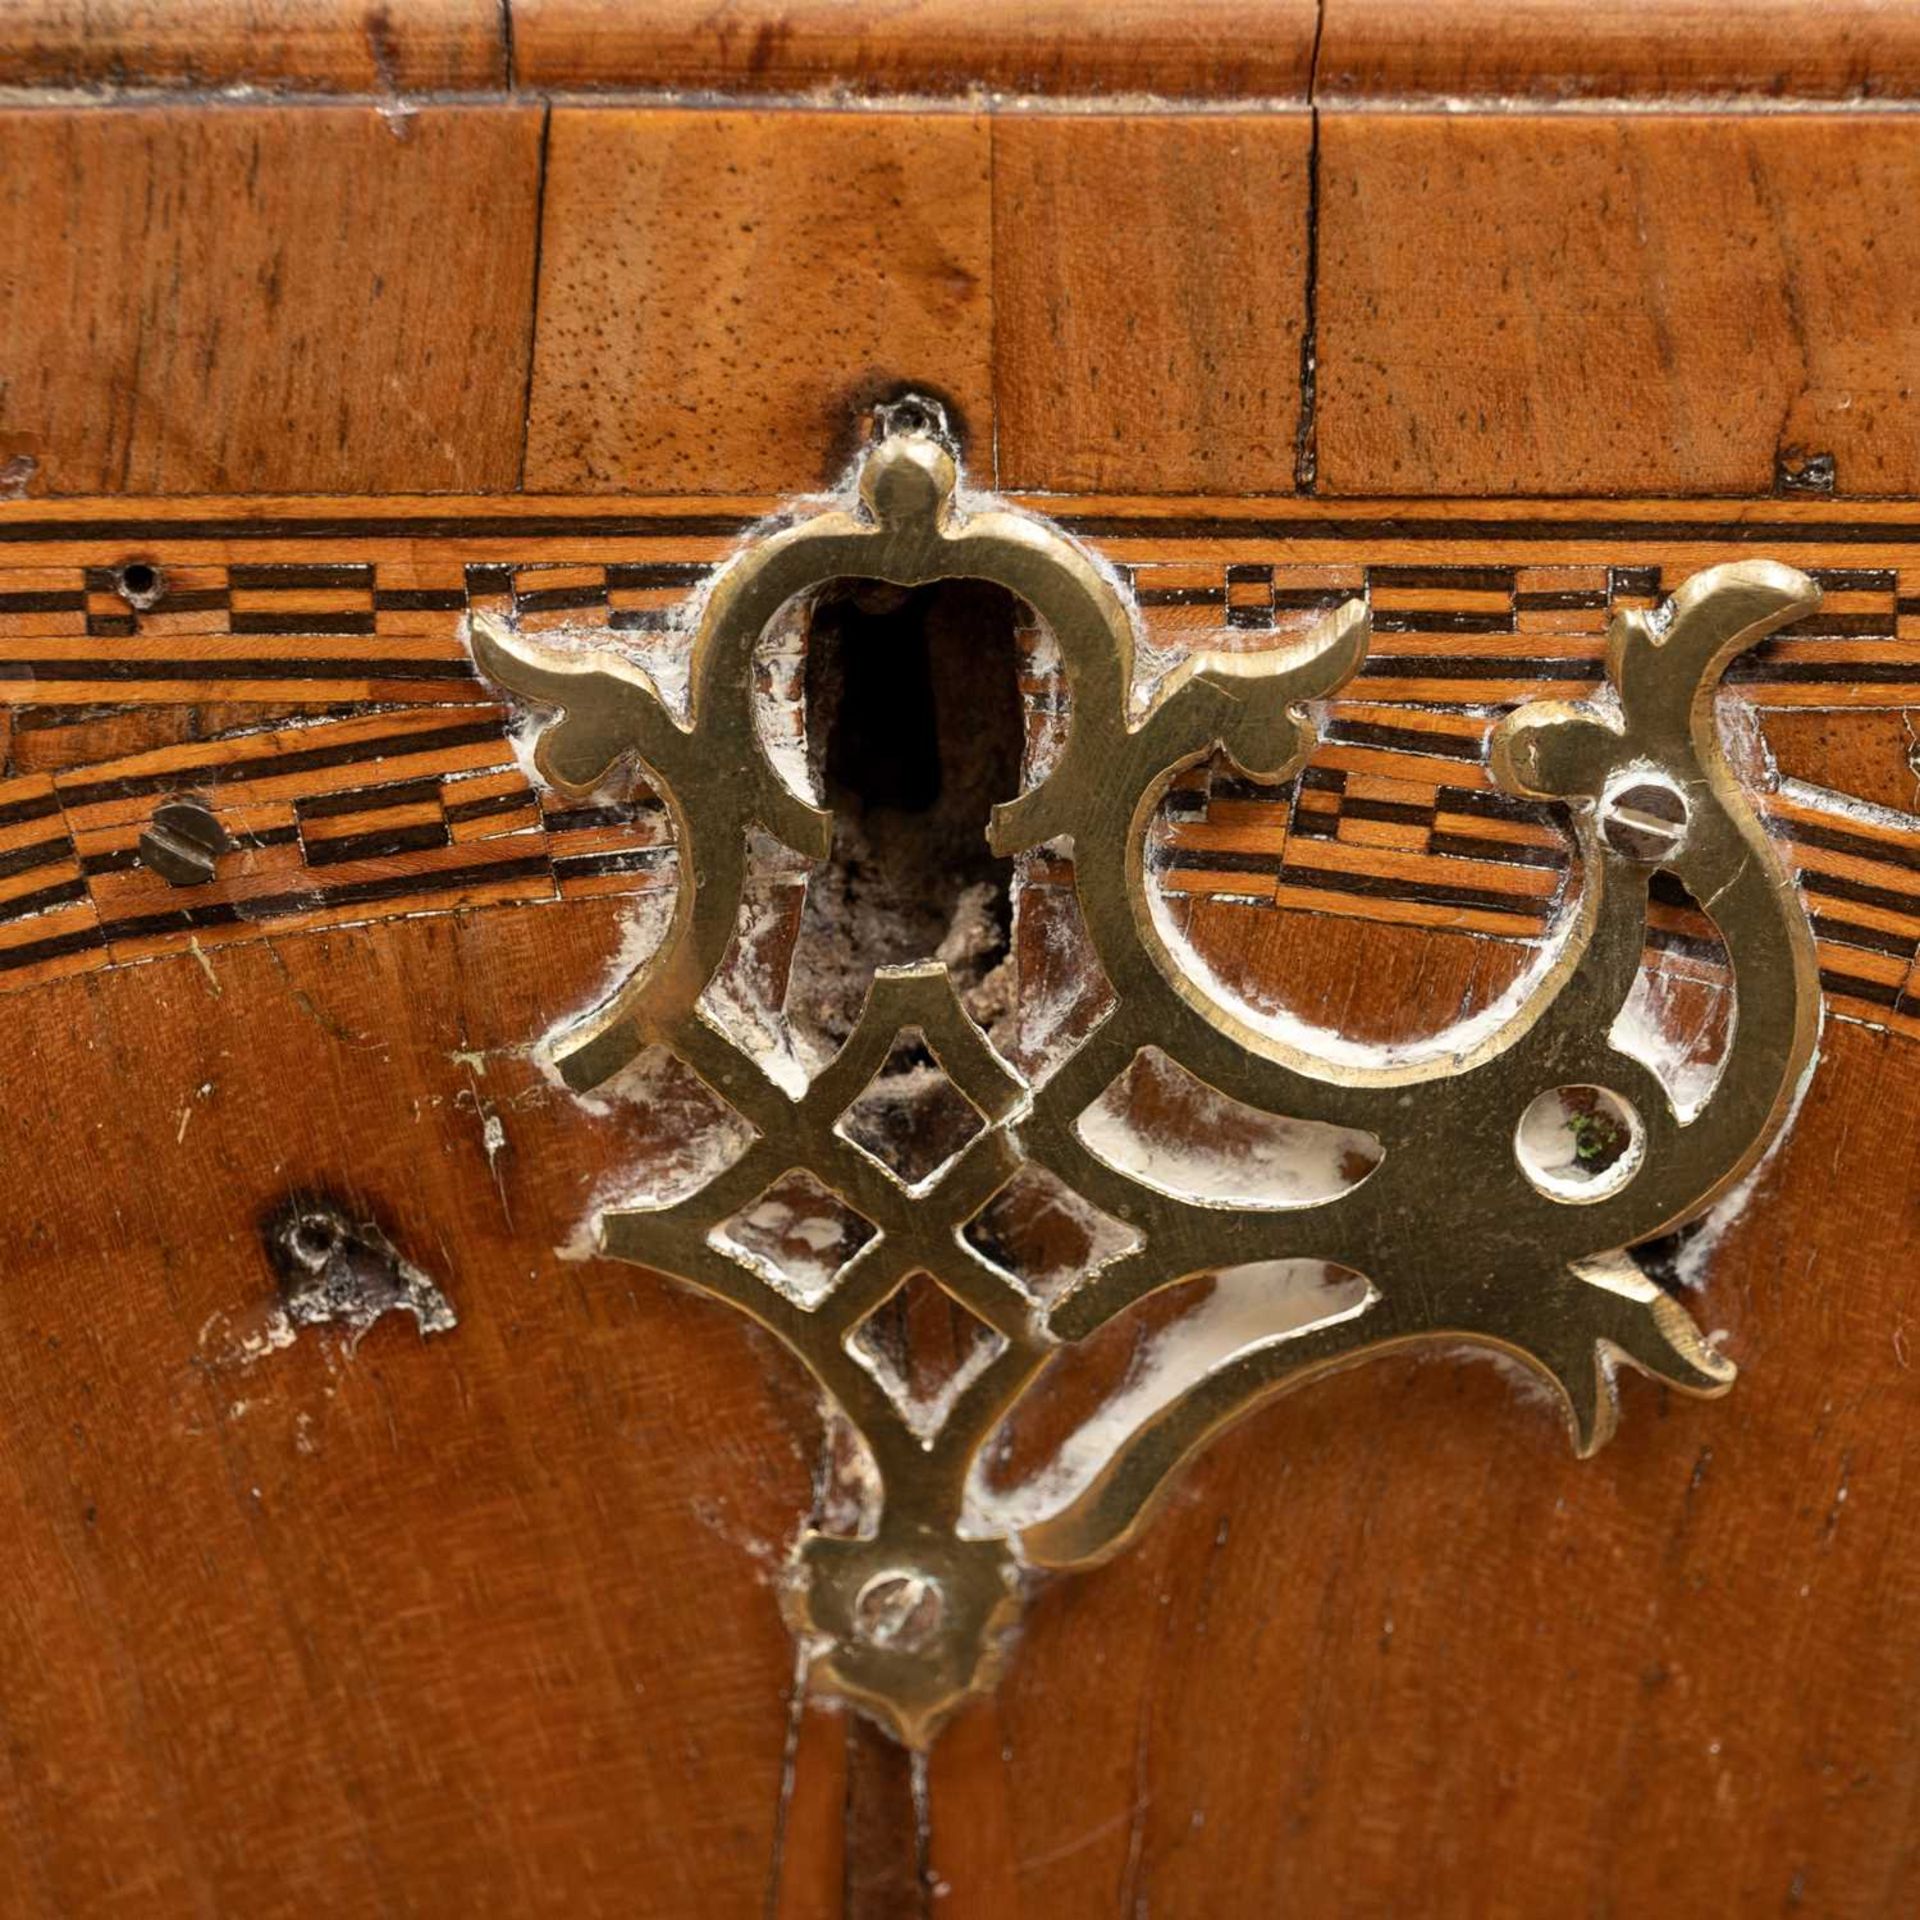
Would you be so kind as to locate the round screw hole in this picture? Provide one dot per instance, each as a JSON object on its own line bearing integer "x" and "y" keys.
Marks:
{"x": 313, "y": 1240}
{"x": 1579, "y": 1143}
{"x": 139, "y": 583}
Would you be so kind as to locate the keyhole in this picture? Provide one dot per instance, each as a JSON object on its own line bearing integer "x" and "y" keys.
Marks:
{"x": 914, "y": 733}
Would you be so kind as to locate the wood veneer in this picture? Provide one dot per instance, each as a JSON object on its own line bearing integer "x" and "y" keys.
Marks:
{"x": 482, "y": 1621}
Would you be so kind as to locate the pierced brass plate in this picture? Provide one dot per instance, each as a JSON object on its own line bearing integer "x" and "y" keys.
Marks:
{"x": 1468, "y": 1228}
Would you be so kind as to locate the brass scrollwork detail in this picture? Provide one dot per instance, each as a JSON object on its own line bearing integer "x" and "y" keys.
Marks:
{"x": 1455, "y": 1234}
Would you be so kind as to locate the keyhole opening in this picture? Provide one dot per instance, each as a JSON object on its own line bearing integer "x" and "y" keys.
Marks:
{"x": 914, "y": 734}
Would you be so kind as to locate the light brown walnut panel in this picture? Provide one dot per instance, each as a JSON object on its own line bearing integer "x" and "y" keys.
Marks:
{"x": 200, "y": 300}
{"x": 1616, "y": 304}
{"x": 1185, "y": 49}
{"x": 412, "y": 46}
{"x": 721, "y": 293}
{"x": 1137, "y": 257}
{"x": 483, "y": 1621}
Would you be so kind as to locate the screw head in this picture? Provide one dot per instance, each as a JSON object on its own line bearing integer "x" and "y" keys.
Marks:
{"x": 183, "y": 842}
{"x": 1644, "y": 819}
{"x": 899, "y": 1609}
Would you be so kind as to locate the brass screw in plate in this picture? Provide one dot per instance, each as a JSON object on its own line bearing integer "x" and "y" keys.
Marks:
{"x": 898, "y": 1609}
{"x": 1644, "y": 821}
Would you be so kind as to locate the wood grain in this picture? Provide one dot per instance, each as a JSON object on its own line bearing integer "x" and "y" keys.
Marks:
{"x": 320, "y": 46}
{"x": 1170, "y": 48}
{"x": 1149, "y": 292}
{"x": 1620, "y": 304}
{"x": 721, "y": 292}
{"x": 1395, "y": 1651}
{"x": 312, "y": 298}
{"x": 297, "y": 1622}
{"x": 1548, "y": 50}
{"x": 354, "y": 1624}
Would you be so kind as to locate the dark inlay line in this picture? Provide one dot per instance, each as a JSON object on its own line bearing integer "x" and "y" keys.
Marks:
{"x": 1370, "y": 733}
{"x": 382, "y": 845}
{"x": 1420, "y": 892}
{"x": 1395, "y": 621}
{"x": 358, "y": 893}
{"x": 1365, "y": 885}
{"x": 1877, "y": 992}
{"x": 1402, "y": 813}
{"x": 40, "y": 854}
{"x": 1480, "y": 532}
{"x": 581, "y": 866}
{"x": 420, "y": 600}
{"x": 1310, "y": 824}
{"x": 1567, "y": 602}
{"x": 1690, "y": 946}
{"x": 398, "y": 793}
{"x": 40, "y": 807}
{"x": 30, "y": 953}
{"x": 275, "y": 766}
{"x": 23, "y": 905}
{"x": 1849, "y": 933}
{"x": 1190, "y": 526}
{"x": 461, "y": 810}
{"x": 74, "y": 601}
{"x": 356, "y": 625}
{"x": 1468, "y": 666}
{"x": 1810, "y": 833}
{"x": 1442, "y": 579}
{"x": 1854, "y": 579}
{"x": 1228, "y": 786}
{"x": 1464, "y": 846}
{"x": 296, "y": 576}
{"x": 657, "y": 573}
{"x": 1641, "y": 582}
{"x": 1836, "y": 672}
{"x": 559, "y": 599}
{"x": 216, "y": 670}
{"x": 1830, "y": 886}
{"x": 640, "y": 619}
{"x": 578, "y": 819}
{"x": 533, "y": 526}
{"x": 1182, "y": 596}
{"x": 1488, "y": 804}
{"x": 1249, "y": 574}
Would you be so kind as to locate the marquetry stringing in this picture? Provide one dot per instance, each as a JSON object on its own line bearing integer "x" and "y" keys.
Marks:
{"x": 374, "y": 775}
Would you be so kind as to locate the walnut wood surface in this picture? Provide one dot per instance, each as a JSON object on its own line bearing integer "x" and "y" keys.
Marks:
{"x": 1178, "y": 48}
{"x": 416, "y": 46}
{"x": 720, "y": 289}
{"x": 1110, "y": 236}
{"x": 1542, "y": 305}
{"x": 1619, "y": 49}
{"x": 483, "y": 1621}
{"x": 247, "y": 298}
{"x": 1542, "y": 50}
